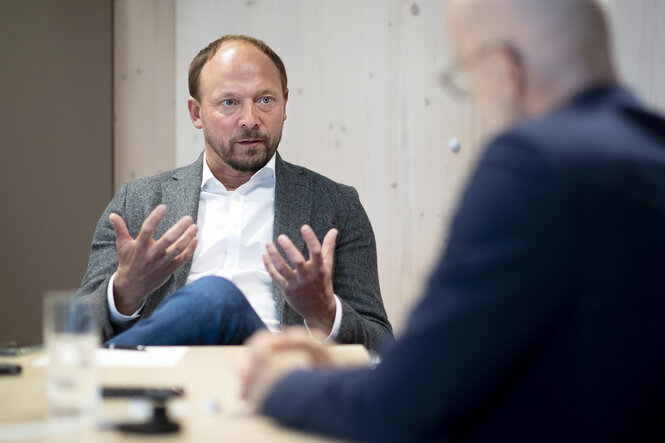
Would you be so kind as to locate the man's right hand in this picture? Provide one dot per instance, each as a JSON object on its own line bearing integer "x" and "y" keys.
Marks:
{"x": 145, "y": 264}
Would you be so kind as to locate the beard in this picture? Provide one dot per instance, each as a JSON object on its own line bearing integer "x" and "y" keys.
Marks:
{"x": 241, "y": 158}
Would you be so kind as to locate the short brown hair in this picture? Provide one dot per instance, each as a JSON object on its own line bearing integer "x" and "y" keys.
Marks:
{"x": 209, "y": 51}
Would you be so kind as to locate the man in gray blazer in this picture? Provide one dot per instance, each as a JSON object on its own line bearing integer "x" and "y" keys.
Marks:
{"x": 164, "y": 243}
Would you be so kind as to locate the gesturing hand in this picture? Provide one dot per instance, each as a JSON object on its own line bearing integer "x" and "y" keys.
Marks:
{"x": 145, "y": 264}
{"x": 308, "y": 286}
{"x": 271, "y": 356}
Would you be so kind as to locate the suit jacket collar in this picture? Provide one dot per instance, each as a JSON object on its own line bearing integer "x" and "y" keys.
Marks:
{"x": 293, "y": 207}
{"x": 603, "y": 95}
{"x": 181, "y": 197}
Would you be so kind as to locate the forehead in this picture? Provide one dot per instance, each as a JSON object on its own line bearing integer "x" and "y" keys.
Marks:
{"x": 239, "y": 66}
{"x": 458, "y": 26}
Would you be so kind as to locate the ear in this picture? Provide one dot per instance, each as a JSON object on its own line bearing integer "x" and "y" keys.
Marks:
{"x": 195, "y": 112}
{"x": 286, "y": 99}
{"x": 510, "y": 76}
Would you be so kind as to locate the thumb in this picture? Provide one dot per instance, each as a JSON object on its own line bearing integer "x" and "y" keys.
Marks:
{"x": 121, "y": 233}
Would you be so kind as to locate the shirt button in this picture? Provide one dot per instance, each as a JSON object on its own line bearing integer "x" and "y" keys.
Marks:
{"x": 236, "y": 198}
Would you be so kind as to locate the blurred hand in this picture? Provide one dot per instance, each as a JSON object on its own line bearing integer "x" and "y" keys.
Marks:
{"x": 272, "y": 356}
{"x": 308, "y": 287}
{"x": 145, "y": 264}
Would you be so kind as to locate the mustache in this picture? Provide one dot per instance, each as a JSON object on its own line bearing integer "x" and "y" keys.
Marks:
{"x": 253, "y": 134}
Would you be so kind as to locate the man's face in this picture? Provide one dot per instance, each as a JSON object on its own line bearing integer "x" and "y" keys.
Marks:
{"x": 242, "y": 107}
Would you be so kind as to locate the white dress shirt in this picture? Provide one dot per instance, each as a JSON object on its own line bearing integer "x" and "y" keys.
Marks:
{"x": 234, "y": 227}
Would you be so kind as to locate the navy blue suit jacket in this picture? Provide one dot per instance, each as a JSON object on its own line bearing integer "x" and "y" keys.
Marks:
{"x": 545, "y": 318}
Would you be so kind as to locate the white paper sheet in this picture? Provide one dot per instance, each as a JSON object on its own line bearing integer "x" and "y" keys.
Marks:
{"x": 151, "y": 357}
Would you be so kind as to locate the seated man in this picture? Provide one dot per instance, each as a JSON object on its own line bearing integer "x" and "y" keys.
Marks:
{"x": 242, "y": 196}
{"x": 545, "y": 319}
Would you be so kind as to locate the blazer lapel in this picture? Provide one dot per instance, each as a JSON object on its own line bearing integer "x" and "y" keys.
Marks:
{"x": 181, "y": 196}
{"x": 293, "y": 206}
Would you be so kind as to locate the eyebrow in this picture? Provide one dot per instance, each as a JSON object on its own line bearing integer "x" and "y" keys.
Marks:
{"x": 229, "y": 94}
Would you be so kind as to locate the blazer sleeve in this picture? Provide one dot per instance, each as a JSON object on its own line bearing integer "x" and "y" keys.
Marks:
{"x": 102, "y": 263}
{"x": 493, "y": 296}
{"x": 356, "y": 280}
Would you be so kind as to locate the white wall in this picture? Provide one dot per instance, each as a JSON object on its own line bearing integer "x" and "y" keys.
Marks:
{"x": 639, "y": 41}
{"x": 364, "y": 108}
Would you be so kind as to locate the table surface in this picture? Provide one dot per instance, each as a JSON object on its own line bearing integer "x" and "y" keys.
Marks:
{"x": 207, "y": 375}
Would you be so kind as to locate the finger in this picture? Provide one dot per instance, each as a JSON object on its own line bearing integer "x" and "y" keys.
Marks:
{"x": 294, "y": 255}
{"x": 247, "y": 365}
{"x": 187, "y": 254}
{"x": 247, "y": 369}
{"x": 181, "y": 243}
{"x": 120, "y": 229}
{"x": 150, "y": 224}
{"x": 292, "y": 338}
{"x": 259, "y": 336}
{"x": 172, "y": 235}
{"x": 263, "y": 345}
{"x": 278, "y": 262}
{"x": 298, "y": 336}
{"x": 313, "y": 245}
{"x": 319, "y": 351}
{"x": 328, "y": 248}
{"x": 276, "y": 276}
{"x": 244, "y": 371}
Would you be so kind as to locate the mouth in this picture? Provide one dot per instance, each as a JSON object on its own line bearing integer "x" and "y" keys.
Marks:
{"x": 250, "y": 142}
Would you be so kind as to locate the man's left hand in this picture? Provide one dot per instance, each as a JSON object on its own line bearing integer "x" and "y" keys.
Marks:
{"x": 308, "y": 285}
{"x": 270, "y": 357}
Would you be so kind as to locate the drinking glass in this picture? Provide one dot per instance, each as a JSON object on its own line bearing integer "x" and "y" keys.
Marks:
{"x": 71, "y": 335}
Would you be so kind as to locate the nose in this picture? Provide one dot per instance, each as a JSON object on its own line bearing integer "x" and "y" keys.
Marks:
{"x": 248, "y": 117}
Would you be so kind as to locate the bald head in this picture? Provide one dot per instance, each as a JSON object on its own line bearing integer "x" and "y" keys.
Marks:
{"x": 561, "y": 46}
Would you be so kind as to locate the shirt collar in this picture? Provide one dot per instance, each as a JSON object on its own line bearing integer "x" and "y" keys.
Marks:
{"x": 263, "y": 177}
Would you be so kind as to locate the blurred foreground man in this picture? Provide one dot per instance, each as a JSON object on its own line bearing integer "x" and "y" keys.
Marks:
{"x": 545, "y": 319}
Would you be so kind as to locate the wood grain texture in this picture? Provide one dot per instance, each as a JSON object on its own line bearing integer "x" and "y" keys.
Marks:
{"x": 144, "y": 79}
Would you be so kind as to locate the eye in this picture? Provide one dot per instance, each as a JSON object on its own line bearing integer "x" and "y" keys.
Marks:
{"x": 228, "y": 102}
{"x": 265, "y": 100}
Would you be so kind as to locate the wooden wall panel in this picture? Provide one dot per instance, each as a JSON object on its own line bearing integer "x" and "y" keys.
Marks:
{"x": 144, "y": 79}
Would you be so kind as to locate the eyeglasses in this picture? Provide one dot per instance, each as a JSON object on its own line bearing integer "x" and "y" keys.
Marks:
{"x": 453, "y": 79}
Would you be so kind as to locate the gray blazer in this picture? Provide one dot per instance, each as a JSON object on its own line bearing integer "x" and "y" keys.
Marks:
{"x": 301, "y": 197}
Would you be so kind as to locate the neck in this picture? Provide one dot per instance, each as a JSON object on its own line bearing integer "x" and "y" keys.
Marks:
{"x": 559, "y": 86}
{"x": 225, "y": 174}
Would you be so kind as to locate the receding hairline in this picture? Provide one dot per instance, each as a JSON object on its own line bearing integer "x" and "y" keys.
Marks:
{"x": 212, "y": 49}
{"x": 542, "y": 29}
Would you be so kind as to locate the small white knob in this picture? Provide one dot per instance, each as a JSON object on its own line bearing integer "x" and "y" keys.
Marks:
{"x": 454, "y": 145}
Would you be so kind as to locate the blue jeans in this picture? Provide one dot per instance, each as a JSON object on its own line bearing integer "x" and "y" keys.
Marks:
{"x": 209, "y": 311}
